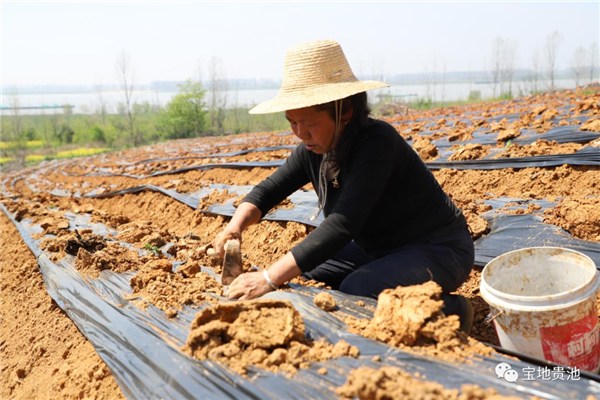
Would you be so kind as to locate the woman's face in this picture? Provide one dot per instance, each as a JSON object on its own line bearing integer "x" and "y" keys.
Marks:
{"x": 314, "y": 127}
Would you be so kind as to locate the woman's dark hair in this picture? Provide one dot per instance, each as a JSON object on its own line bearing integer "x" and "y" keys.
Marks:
{"x": 360, "y": 117}
{"x": 357, "y": 102}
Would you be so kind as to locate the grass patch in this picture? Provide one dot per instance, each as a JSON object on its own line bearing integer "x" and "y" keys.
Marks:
{"x": 35, "y": 158}
{"x": 30, "y": 144}
{"x": 80, "y": 152}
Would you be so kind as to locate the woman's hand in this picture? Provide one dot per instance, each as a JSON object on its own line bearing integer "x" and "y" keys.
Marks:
{"x": 254, "y": 284}
{"x": 248, "y": 286}
{"x": 218, "y": 243}
{"x": 245, "y": 215}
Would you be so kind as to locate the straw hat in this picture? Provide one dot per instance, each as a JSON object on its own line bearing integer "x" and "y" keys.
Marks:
{"x": 314, "y": 73}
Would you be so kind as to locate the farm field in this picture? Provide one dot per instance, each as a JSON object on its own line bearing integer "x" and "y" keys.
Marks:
{"x": 117, "y": 240}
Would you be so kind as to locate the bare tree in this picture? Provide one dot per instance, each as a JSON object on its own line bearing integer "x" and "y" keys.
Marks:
{"x": 377, "y": 73}
{"x": 434, "y": 75}
{"x": 15, "y": 107}
{"x": 101, "y": 110}
{"x": 217, "y": 88}
{"x": 236, "y": 111}
{"x": 593, "y": 60}
{"x": 509, "y": 51}
{"x": 125, "y": 77}
{"x": 578, "y": 66}
{"x": 502, "y": 64}
{"x": 535, "y": 76}
{"x": 16, "y": 136}
{"x": 496, "y": 63}
{"x": 550, "y": 51}
{"x": 443, "y": 81}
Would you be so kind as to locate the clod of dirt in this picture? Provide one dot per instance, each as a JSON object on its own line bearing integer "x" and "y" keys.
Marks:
{"x": 461, "y": 134}
{"x": 411, "y": 318}
{"x": 412, "y": 309}
{"x": 324, "y": 301}
{"x": 143, "y": 234}
{"x": 591, "y": 125}
{"x": 215, "y": 197}
{"x": 53, "y": 225}
{"x": 269, "y": 334}
{"x": 88, "y": 241}
{"x": 156, "y": 283}
{"x": 507, "y": 134}
{"x": 426, "y": 149}
{"x": 472, "y": 211}
{"x": 109, "y": 219}
{"x": 393, "y": 383}
{"x": 113, "y": 256}
{"x": 470, "y": 151}
{"x": 578, "y": 216}
{"x": 538, "y": 148}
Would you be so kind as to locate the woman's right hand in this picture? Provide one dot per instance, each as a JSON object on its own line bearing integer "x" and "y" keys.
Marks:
{"x": 246, "y": 214}
{"x": 218, "y": 242}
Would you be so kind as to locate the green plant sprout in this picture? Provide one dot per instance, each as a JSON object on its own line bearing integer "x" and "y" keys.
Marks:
{"x": 152, "y": 248}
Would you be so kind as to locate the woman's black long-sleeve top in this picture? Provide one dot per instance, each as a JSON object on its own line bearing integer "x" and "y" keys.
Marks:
{"x": 386, "y": 195}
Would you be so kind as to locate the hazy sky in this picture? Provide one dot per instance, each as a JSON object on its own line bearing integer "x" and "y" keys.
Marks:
{"x": 78, "y": 42}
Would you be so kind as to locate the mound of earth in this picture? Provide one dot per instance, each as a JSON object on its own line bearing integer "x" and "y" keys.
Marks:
{"x": 411, "y": 318}
{"x": 393, "y": 383}
{"x": 268, "y": 334}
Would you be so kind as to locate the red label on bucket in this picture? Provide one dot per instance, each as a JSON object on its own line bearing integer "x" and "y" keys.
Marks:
{"x": 576, "y": 344}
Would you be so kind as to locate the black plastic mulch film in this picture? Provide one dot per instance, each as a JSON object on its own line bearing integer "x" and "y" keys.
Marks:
{"x": 142, "y": 347}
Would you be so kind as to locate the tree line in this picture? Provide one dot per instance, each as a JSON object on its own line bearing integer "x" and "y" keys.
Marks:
{"x": 203, "y": 110}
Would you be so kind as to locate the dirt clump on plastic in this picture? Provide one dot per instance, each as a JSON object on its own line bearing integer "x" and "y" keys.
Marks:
{"x": 392, "y": 383}
{"x": 215, "y": 197}
{"x": 426, "y": 149}
{"x": 267, "y": 334}
{"x": 70, "y": 242}
{"x": 578, "y": 216}
{"x": 325, "y": 301}
{"x": 469, "y": 151}
{"x": 538, "y": 148}
{"x": 411, "y": 318}
{"x": 144, "y": 235}
{"x": 112, "y": 257}
{"x": 158, "y": 284}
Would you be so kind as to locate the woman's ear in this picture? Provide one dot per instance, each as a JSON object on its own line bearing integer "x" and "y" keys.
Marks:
{"x": 347, "y": 116}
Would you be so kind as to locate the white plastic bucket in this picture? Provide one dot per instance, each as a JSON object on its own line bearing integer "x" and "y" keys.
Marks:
{"x": 543, "y": 301}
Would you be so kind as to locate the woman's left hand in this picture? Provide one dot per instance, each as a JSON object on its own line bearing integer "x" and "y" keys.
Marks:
{"x": 248, "y": 286}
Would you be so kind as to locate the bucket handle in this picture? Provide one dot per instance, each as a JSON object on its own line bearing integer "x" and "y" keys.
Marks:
{"x": 490, "y": 318}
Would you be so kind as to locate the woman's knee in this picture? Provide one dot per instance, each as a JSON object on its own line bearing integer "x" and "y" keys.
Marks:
{"x": 360, "y": 284}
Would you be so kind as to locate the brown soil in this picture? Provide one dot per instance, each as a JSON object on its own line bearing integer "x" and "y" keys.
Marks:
{"x": 538, "y": 148}
{"x": 578, "y": 216}
{"x": 426, "y": 149}
{"x": 156, "y": 283}
{"x": 324, "y": 301}
{"x": 411, "y": 318}
{"x": 268, "y": 334}
{"x": 215, "y": 197}
{"x": 44, "y": 355}
{"x": 470, "y": 151}
{"x": 393, "y": 383}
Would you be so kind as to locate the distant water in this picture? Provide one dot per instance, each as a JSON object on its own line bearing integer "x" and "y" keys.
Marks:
{"x": 89, "y": 102}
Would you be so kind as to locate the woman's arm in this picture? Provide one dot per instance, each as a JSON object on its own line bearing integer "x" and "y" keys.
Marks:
{"x": 254, "y": 284}
{"x": 245, "y": 215}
